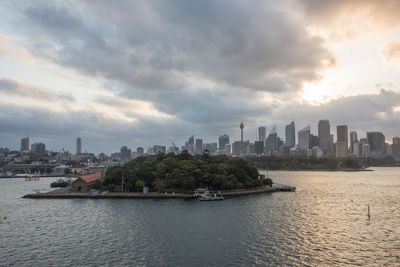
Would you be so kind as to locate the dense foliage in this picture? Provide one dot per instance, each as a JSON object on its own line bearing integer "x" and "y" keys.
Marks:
{"x": 184, "y": 172}
{"x": 302, "y": 163}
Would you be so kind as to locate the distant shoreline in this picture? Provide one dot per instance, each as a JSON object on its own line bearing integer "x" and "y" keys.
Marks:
{"x": 119, "y": 195}
{"x": 323, "y": 170}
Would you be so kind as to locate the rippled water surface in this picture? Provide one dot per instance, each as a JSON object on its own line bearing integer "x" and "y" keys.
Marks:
{"x": 324, "y": 223}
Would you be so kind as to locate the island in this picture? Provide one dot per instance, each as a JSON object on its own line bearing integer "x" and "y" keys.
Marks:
{"x": 170, "y": 176}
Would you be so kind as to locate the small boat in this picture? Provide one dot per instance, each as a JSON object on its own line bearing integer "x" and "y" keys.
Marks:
{"x": 60, "y": 183}
{"x": 32, "y": 177}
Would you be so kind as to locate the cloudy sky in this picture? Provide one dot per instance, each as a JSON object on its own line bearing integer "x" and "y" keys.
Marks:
{"x": 150, "y": 72}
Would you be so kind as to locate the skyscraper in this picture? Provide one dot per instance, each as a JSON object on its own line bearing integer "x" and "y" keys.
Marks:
{"x": 223, "y": 140}
{"x": 78, "y": 145}
{"x": 271, "y": 145}
{"x": 262, "y": 133}
{"x": 25, "y": 144}
{"x": 376, "y": 141}
{"x": 342, "y": 134}
{"x": 324, "y": 133}
{"x": 126, "y": 153}
{"x": 290, "y": 134}
{"x": 199, "y": 146}
{"x": 304, "y": 138}
{"x": 140, "y": 151}
{"x": 353, "y": 139}
{"x": 396, "y": 147}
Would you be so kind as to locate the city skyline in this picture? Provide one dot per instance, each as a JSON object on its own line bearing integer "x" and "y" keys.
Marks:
{"x": 304, "y": 139}
{"x": 160, "y": 72}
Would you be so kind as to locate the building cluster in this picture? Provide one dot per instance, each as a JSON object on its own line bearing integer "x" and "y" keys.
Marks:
{"x": 318, "y": 145}
{"x": 322, "y": 144}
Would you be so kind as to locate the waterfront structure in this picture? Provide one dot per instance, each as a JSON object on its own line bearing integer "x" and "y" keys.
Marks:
{"x": 342, "y": 134}
{"x": 38, "y": 148}
{"x": 259, "y": 147}
{"x": 24, "y": 144}
{"x": 78, "y": 146}
{"x": 304, "y": 138}
{"x": 376, "y": 141}
{"x": 290, "y": 134}
{"x": 241, "y": 131}
{"x": 262, "y": 134}
{"x": 223, "y": 140}
{"x": 341, "y": 149}
{"x": 199, "y": 146}
{"x": 353, "y": 139}
{"x": 85, "y": 183}
{"x": 324, "y": 133}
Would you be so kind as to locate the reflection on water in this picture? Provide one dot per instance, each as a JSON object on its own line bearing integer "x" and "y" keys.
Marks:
{"x": 325, "y": 222}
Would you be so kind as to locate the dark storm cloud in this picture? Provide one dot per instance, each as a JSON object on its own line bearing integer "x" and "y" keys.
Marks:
{"x": 25, "y": 90}
{"x": 162, "y": 45}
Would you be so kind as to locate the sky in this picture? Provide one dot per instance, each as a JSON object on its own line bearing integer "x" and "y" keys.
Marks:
{"x": 140, "y": 73}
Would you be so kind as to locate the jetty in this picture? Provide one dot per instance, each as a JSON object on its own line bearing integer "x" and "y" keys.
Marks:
{"x": 150, "y": 195}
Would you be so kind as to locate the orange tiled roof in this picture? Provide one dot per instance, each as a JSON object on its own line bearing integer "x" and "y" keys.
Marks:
{"x": 91, "y": 177}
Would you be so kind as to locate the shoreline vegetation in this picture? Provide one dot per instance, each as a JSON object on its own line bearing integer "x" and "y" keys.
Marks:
{"x": 183, "y": 173}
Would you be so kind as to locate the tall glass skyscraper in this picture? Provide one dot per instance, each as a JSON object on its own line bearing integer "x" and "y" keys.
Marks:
{"x": 324, "y": 134}
{"x": 290, "y": 134}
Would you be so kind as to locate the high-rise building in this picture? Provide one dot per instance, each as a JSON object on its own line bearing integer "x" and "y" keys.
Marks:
{"x": 376, "y": 141}
{"x": 396, "y": 147}
{"x": 140, "y": 151}
{"x": 241, "y": 131}
{"x": 314, "y": 141}
{"x": 342, "y": 134}
{"x": 126, "y": 153}
{"x": 341, "y": 149}
{"x": 238, "y": 148}
{"x": 199, "y": 146}
{"x": 38, "y": 148}
{"x": 222, "y": 141}
{"x": 159, "y": 149}
{"x": 191, "y": 144}
{"x": 78, "y": 146}
{"x": 259, "y": 147}
{"x": 290, "y": 134}
{"x": 272, "y": 143}
{"x": 353, "y": 139}
{"x": 304, "y": 138}
{"x": 262, "y": 133}
{"x": 324, "y": 133}
{"x": 25, "y": 144}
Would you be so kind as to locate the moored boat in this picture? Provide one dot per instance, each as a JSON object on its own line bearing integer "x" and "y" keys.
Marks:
{"x": 60, "y": 183}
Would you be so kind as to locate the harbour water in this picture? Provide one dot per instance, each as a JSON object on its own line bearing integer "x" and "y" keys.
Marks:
{"x": 324, "y": 222}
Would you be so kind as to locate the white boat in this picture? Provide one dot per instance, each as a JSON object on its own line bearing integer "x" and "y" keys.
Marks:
{"x": 204, "y": 195}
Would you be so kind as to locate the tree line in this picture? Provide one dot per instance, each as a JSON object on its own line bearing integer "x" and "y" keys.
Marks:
{"x": 184, "y": 172}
